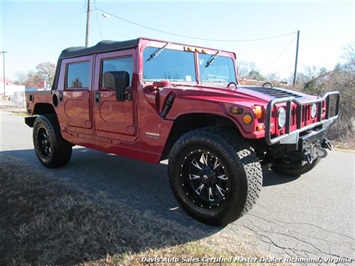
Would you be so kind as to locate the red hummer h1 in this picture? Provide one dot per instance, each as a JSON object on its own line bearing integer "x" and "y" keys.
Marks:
{"x": 153, "y": 100}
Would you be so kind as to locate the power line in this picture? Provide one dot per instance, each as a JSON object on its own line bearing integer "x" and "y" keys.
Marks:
{"x": 48, "y": 26}
{"x": 18, "y": 15}
{"x": 191, "y": 37}
{"x": 97, "y": 20}
{"x": 273, "y": 61}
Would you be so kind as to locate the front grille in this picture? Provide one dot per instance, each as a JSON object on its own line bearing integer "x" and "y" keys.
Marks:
{"x": 298, "y": 117}
{"x": 306, "y": 117}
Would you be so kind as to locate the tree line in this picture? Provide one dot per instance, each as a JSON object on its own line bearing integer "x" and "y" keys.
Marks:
{"x": 33, "y": 79}
{"x": 316, "y": 81}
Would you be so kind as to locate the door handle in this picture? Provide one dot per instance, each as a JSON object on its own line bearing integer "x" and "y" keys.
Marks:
{"x": 97, "y": 97}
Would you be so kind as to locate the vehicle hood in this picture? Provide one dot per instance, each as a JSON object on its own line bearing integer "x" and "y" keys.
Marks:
{"x": 240, "y": 95}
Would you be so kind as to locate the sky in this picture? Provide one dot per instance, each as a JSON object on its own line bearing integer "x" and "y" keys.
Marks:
{"x": 259, "y": 32}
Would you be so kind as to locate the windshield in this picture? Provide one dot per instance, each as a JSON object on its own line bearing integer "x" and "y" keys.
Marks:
{"x": 220, "y": 69}
{"x": 179, "y": 66}
{"x": 169, "y": 64}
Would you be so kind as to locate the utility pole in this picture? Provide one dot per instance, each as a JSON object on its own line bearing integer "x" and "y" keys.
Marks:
{"x": 87, "y": 25}
{"x": 3, "y": 66}
{"x": 296, "y": 61}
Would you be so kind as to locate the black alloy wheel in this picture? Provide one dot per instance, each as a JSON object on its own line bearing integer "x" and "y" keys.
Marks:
{"x": 44, "y": 143}
{"x": 51, "y": 149}
{"x": 215, "y": 175}
{"x": 205, "y": 179}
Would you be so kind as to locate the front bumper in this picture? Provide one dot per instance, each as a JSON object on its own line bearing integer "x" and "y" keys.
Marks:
{"x": 293, "y": 137}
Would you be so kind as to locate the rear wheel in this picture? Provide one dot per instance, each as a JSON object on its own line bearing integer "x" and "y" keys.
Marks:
{"x": 215, "y": 175}
{"x": 51, "y": 149}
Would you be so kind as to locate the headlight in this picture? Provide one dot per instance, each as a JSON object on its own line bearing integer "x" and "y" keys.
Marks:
{"x": 281, "y": 118}
{"x": 314, "y": 110}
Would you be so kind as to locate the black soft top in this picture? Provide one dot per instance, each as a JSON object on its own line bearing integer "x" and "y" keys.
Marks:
{"x": 101, "y": 47}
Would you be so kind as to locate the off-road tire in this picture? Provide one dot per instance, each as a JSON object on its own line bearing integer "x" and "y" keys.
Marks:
{"x": 294, "y": 170}
{"x": 51, "y": 149}
{"x": 225, "y": 164}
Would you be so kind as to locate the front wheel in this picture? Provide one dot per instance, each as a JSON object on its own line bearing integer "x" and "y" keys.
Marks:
{"x": 215, "y": 175}
{"x": 289, "y": 169}
{"x": 51, "y": 149}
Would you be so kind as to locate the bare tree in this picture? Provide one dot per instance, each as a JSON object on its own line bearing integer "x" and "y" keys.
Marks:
{"x": 342, "y": 78}
{"x": 33, "y": 80}
{"x": 349, "y": 57}
{"x": 309, "y": 79}
{"x": 273, "y": 77}
{"x": 46, "y": 71}
{"x": 243, "y": 69}
{"x": 20, "y": 77}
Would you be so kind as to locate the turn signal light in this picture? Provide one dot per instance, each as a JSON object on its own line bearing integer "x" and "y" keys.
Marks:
{"x": 247, "y": 119}
{"x": 258, "y": 111}
{"x": 259, "y": 127}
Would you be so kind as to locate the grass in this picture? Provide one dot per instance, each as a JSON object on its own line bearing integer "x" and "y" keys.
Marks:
{"x": 44, "y": 221}
{"x": 346, "y": 146}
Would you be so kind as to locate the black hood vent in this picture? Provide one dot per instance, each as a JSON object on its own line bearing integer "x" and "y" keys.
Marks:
{"x": 273, "y": 92}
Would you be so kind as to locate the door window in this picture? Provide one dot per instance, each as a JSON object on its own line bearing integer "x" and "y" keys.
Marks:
{"x": 78, "y": 75}
{"x": 117, "y": 64}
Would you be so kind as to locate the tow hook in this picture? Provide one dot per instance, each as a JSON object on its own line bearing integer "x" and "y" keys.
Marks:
{"x": 317, "y": 150}
{"x": 326, "y": 144}
{"x": 308, "y": 156}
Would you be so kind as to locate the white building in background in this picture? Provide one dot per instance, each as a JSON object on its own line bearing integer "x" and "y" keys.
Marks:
{"x": 14, "y": 93}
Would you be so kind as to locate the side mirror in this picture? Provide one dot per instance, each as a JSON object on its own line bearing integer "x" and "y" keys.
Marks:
{"x": 119, "y": 81}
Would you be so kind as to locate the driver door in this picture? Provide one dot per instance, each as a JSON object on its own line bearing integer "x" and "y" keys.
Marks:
{"x": 113, "y": 119}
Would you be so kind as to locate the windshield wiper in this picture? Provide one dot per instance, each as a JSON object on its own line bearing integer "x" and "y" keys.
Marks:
{"x": 212, "y": 58}
{"x": 157, "y": 52}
